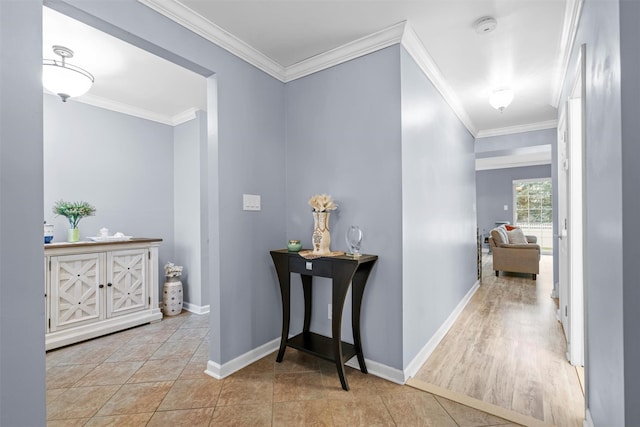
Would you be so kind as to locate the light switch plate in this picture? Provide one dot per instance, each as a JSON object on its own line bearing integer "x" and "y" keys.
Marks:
{"x": 250, "y": 202}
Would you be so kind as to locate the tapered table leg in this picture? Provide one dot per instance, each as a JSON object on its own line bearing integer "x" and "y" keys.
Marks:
{"x": 282, "y": 269}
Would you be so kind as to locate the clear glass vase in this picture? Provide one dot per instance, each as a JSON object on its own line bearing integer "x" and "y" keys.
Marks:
{"x": 354, "y": 240}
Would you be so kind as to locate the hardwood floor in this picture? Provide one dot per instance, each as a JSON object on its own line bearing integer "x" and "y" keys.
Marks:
{"x": 508, "y": 349}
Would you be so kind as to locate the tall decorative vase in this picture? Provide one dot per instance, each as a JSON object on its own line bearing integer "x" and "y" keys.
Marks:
{"x": 321, "y": 237}
{"x": 73, "y": 235}
{"x": 172, "y": 296}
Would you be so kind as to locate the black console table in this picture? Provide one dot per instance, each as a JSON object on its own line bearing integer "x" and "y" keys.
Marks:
{"x": 343, "y": 270}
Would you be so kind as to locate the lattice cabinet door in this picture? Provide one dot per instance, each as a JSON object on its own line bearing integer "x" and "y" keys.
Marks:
{"x": 127, "y": 287}
{"x": 76, "y": 295}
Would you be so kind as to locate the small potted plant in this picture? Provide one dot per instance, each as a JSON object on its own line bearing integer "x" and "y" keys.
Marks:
{"x": 74, "y": 212}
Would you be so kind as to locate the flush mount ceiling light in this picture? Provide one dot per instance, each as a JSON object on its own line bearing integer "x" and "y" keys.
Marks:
{"x": 485, "y": 25}
{"x": 500, "y": 99}
{"x": 65, "y": 79}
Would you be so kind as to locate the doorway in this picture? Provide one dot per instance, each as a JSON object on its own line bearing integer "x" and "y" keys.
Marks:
{"x": 571, "y": 213}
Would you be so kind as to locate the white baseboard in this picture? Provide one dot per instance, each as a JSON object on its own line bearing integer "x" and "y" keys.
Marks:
{"x": 197, "y": 309}
{"x": 222, "y": 371}
{"x": 414, "y": 366}
{"x": 554, "y": 291}
{"x": 379, "y": 370}
{"x": 375, "y": 368}
{"x": 588, "y": 421}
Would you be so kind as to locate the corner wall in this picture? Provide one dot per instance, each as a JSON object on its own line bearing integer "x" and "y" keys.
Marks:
{"x": 190, "y": 146}
{"x": 343, "y": 138}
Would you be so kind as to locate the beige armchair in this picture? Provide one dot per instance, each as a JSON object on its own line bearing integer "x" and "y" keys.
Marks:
{"x": 514, "y": 257}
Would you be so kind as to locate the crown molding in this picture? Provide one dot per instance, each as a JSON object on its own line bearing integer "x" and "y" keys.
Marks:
{"x": 176, "y": 11}
{"x": 360, "y": 47}
{"x": 549, "y": 124}
{"x": 184, "y": 117}
{"x": 119, "y": 107}
{"x": 399, "y": 33}
{"x": 570, "y": 23}
{"x": 420, "y": 55}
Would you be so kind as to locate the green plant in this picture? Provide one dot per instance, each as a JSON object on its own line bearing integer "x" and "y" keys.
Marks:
{"x": 73, "y": 211}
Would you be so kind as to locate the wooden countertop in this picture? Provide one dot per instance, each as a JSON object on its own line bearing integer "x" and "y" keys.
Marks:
{"x": 89, "y": 243}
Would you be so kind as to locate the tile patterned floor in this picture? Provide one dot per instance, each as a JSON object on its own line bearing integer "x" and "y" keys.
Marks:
{"x": 153, "y": 375}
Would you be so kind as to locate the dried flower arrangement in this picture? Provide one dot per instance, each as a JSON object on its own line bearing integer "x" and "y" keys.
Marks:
{"x": 322, "y": 203}
{"x": 73, "y": 211}
{"x": 172, "y": 270}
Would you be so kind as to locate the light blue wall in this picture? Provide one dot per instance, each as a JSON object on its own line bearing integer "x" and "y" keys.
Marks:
{"x": 343, "y": 138}
{"x": 599, "y": 29}
{"x": 22, "y": 323}
{"x": 494, "y": 189}
{"x": 246, "y": 155}
{"x": 438, "y": 217}
{"x": 121, "y": 164}
{"x": 630, "y": 80}
{"x": 189, "y": 147}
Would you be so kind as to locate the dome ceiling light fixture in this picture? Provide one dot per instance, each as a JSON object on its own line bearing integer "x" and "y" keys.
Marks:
{"x": 501, "y": 98}
{"x": 485, "y": 25}
{"x": 64, "y": 79}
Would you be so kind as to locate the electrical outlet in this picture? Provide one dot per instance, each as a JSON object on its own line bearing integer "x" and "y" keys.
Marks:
{"x": 250, "y": 202}
{"x": 329, "y": 312}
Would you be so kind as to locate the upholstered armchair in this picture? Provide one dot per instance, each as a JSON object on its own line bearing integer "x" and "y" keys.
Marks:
{"x": 514, "y": 252}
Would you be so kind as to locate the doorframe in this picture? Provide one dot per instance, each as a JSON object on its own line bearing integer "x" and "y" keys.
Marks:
{"x": 571, "y": 128}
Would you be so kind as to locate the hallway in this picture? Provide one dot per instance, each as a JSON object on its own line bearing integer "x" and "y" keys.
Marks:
{"x": 508, "y": 349}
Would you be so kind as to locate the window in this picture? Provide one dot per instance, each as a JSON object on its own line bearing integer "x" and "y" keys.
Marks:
{"x": 533, "y": 211}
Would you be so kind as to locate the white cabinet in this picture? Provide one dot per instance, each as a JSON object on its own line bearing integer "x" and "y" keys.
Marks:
{"x": 93, "y": 289}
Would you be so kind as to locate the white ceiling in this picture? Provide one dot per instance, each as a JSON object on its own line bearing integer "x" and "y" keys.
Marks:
{"x": 526, "y": 52}
{"x": 127, "y": 79}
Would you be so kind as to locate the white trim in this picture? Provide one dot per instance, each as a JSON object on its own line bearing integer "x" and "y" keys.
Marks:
{"x": 195, "y": 22}
{"x": 123, "y": 108}
{"x": 549, "y": 124}
{"x": 197, "y": 309}
{"x": 379, "y": 370}
{"x": 414, "y": 366}
{"x": 420, "y": 55}
{"x": 120, "y": 107}
{"x": 222, "y": 371}
{"x": 491, "y": 163}
{"x": 588, "y": 420}
{"x": 184, "y": 117}
{"x": 399, "y": 33}
{"x": 572, "y": 11}
{"x": 355, "y": 49}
